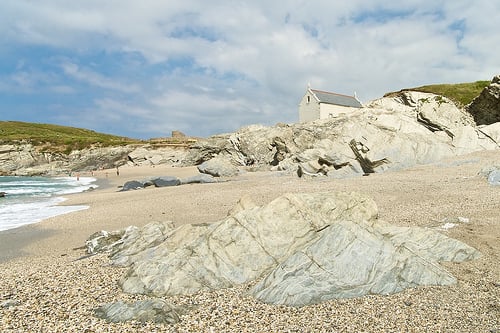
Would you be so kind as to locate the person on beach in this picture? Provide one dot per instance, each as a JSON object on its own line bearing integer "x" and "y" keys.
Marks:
{"x": 117, "y": 171}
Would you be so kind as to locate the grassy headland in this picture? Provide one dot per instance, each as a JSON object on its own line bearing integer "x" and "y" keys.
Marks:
{"x": 57, "y": 138}
{"x": 460, "y": 93}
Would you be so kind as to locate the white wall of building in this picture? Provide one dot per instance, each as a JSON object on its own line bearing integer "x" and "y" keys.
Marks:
{"x": 309, "y": 108}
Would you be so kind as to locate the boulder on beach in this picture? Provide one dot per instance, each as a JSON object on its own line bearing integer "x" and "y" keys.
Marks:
{"x": 201, "y": 178}
{"x": 132, "y": 185}
{"x": 218, "y": 167}
{"x": 304, "y": 248}
{"x": 166, "y": 181}
{"x": 152, "y": 310}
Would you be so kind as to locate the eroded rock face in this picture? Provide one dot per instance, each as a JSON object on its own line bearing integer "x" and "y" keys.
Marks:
{"x": 306, "y": 248}
{"x": 350, "y": 259}
{"x": 24, "y": 159}
{"x": 148, "y": 155}
{"x": 486, "y": 107}
{"x": 390, "y": 133}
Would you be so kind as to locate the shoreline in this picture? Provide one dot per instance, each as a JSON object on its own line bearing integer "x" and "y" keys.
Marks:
{"x": 18, "y": 242}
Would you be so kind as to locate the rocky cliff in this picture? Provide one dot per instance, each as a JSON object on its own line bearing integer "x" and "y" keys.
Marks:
{"x": 393, "y": 132}
{"x": 25, "y": 159}
{"x": 389, "y": 133}
{"x": 486, "y": 107}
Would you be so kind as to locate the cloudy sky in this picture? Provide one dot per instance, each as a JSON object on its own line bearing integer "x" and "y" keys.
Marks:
{"x": 144, "y": 68}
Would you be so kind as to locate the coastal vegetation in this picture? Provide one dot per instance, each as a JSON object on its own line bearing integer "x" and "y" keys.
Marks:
{"x": 64, "y": 139}
{"x": 57, "y": 138}
{"x": 460, "y": 93}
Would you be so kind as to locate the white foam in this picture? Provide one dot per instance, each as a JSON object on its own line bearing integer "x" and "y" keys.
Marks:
{"x": 33, "y": 200}
{"x": 19, "y": 214}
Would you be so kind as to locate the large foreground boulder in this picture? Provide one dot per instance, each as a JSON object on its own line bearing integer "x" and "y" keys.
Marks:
{"x": 306, "y": 248}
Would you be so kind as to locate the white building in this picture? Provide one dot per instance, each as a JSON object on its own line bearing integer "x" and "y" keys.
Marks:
{"x": 317, "y": 104}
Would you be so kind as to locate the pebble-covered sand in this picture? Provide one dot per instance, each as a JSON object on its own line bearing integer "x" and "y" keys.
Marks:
{"x": 47, "y": 289}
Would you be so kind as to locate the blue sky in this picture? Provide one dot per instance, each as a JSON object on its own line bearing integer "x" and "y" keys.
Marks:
{"x": 144, "y": 68}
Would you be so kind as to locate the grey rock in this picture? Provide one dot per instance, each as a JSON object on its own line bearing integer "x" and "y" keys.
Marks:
{"x": 307, "y": 248}
{"x": 122, "y": 245}
{"x": 10, "y": 303}
{"x": 199, "y": 179}
{"x": 136, "y": 241}
{"x": 241, "y": 247}
{"x": 104, "y": 241}
{"x": 486, "y": 107}
{"x": 132, "y": 185}
{"x": 494, "y": 177}
{"x": 153, "y": 310}
{"x": 166, "y": 181}
{"x": 218, "y": 167}
{"x": 351, "y": 259}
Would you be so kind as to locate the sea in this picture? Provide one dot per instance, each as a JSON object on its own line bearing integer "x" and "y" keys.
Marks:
{"x": 28, "y": 200}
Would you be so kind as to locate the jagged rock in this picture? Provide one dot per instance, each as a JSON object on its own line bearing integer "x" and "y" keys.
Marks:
{"x": 153, "y": 310}
{"x": 492, "y": 132}
{"x": 24, "y": 159}
{"x": 122, "y": 245}
{"x": 104, "y": 241}
{"x": 218, "y": 167}
{"x": 166, "y": 181}
{"x": 241, "y": 247}
{"x": 486, "y": 107}
{"x": 402, "y": 130}
{"x": 135, "y": 241}
{"x": 392, "y": 133}
{"x": 150, "y": 155}
{"x": 351, "y": 259}
{"x": 306, "y": 247}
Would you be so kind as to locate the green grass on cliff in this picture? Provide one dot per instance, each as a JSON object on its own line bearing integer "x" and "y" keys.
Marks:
{"x": 460, "y": 93}
{"x": 57, "y": 138}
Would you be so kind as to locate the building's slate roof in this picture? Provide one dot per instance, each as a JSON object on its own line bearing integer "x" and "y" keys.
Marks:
{"x": 337, "y": 99}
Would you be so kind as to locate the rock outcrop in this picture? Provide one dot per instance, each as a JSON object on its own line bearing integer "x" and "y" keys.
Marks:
{"x": 305, "y": 248}
{"x": 156, "y": 155}
{"x": 486, "y": 107}
{"x": 25, "y": 159}
{"x": 390, "y": 133}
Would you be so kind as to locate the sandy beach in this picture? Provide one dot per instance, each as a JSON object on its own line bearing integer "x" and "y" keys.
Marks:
{"x": 45, "y": 288}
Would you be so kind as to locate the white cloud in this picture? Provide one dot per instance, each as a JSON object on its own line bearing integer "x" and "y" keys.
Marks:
{"x": 95, "y": 79}
{"x": 238, "y": 63}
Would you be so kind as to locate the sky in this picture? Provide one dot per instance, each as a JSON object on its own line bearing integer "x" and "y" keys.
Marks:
{"x": 142, "y": 69}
